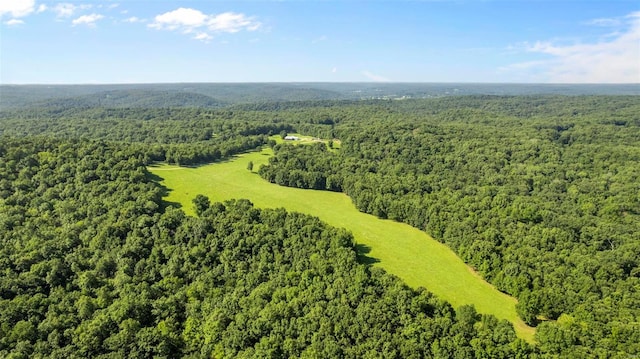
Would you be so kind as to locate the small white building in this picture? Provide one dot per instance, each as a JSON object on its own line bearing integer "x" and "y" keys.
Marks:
{"x": 291, "y": 138}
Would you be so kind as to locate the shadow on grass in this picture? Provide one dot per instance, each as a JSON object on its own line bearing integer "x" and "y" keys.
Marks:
{"x": 164, "y": 191}
{"x": 361, "y": 251}
{"x": 230, "y": 158}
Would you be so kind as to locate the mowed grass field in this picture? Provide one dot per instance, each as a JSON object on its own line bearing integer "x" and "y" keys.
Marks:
{"x": 400, "y": 249}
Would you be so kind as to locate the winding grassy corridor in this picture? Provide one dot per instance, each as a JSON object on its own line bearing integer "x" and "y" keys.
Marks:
{"x": 400, "y": 249}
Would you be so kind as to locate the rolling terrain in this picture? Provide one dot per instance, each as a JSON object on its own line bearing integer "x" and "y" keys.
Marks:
{"x": 400, "y": 249}
{"x": 213, "y": 95}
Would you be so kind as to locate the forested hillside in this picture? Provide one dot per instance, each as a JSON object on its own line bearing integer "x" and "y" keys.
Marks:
{"x": 160, "y": 95}
{"x": 540, "y": 194}
{"x": 212, "y": 95}
{"x": 179, "y": 136}
{"x": 92, "y": 266}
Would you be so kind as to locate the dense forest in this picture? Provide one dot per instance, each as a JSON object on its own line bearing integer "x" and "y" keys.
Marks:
{"x": 94, "y": 266}
{"x": 215, "y": 95}
{"x": 543, "y": 201}
{"x": 540, "y": 194}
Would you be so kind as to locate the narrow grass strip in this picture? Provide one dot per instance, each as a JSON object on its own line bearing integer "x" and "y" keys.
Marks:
{"x": 400, "y": 249}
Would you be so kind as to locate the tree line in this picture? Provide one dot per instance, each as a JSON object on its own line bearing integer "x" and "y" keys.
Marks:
{"x": 95, "y": 265}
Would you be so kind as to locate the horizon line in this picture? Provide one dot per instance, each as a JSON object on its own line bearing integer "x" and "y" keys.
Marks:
{"x": 327, "y": 82}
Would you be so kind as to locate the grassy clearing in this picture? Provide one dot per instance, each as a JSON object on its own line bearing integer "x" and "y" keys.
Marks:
{"x": 400, "y": 249}
{"x": 305, "y": 140}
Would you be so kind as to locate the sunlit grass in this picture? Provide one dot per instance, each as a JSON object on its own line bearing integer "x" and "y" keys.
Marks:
{"x": 400, "y": 249}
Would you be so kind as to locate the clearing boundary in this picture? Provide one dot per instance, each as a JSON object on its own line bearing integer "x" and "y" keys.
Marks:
{"x": 400, "y": 249}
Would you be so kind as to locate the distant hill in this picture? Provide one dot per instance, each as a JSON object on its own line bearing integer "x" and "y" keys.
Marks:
{"x": 131, "y": 98}
{"x": 134, "y": 98}
{"x": 223, "y": 94}
{"x": 266, "y": 92}
{"x": 156, "y": 95}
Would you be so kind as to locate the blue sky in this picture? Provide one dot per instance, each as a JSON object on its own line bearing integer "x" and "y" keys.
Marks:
{"x": 110, "y": 41}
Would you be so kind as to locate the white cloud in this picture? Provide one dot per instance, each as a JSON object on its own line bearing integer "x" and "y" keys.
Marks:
{"x": 232, "y": 22}
{"x": 607, "y": 22}
{"x": 189, "y": 20}
{"x": 64, "y": 9}
{"x": 615, "y": 58}
{"x": 203, "y": 36}
{"x": 17, "y": 8}
{"x": 182, "y": 18}
{"x": 14, "y": 22}
{"x": 133, "y": 20}
{"x": 68, "y": 9}
{"x": 374, "y": 77}
{"x": 334, "y": 70}
{"x": 89, "y": 20}
{"x": 42, "y": 8}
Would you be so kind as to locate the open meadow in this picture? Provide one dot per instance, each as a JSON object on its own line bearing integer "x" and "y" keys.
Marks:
{"x": 400, "y": 249}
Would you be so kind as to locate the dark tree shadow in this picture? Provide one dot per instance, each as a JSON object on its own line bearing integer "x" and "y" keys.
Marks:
{"x": 361, "y": 251}
{"x": 164, "y": 191}
{"x": 155, "y": 178}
